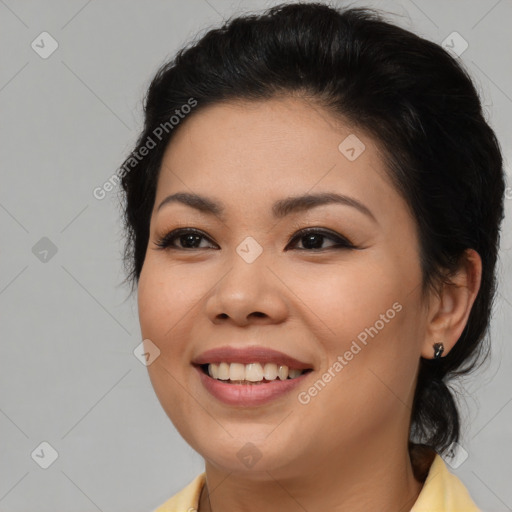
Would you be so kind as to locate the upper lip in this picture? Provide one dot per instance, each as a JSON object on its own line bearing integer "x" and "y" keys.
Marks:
{"x": 246, "y": 355}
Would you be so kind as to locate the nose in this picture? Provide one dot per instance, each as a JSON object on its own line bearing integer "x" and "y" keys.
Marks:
{"x": 248, "y": 293}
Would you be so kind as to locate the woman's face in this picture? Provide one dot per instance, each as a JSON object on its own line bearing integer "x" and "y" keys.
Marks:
{"x": 354, "y": 316}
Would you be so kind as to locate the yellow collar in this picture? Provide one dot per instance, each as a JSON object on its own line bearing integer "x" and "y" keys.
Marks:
{"x": 443, "y": 492}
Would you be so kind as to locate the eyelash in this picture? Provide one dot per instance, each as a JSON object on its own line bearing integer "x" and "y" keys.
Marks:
{"x": 165, "y": 243}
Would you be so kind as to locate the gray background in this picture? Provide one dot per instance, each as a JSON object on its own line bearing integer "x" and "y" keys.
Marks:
{"x": 68, "y": 374}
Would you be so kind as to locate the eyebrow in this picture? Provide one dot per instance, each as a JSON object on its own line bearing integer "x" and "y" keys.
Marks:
{"x": 280, "y": 208}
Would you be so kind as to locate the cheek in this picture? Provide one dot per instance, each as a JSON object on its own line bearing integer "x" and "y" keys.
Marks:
{"x": 343, "y": 300}
{"x": 153, "y": 305}
{"x": 161, "y": 306}
{"x": 364, "y": 318}
{"x": 165, "y": 297}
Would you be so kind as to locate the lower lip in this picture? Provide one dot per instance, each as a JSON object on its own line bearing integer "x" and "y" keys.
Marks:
{"x": 248, "y": 394}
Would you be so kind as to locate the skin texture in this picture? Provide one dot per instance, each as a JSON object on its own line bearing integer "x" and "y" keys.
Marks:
{"x": 345, "y": 450}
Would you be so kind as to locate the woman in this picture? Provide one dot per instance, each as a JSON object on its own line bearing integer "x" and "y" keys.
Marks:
{"x": 313, "y": 211}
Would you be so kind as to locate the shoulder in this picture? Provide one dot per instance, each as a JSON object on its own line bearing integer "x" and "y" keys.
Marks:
{"x": 186, "y": 500}
{"x": 443, "y": 492}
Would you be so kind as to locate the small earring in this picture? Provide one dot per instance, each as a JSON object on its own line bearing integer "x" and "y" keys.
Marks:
{"x": 438, "y": 350}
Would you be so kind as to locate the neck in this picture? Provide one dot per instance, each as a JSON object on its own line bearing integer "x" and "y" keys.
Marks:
{"x": 382, "y": 480}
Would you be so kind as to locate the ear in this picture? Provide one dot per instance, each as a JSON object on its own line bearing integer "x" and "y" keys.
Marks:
{"x": 449, "y": 309}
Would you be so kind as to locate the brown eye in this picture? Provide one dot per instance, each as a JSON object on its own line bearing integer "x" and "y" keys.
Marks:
{"x": 313, "y": 238}
{"x": 188, "y": 238}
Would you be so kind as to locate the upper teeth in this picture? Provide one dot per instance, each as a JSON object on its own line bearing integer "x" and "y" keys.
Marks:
{"x": 252, "y": 372}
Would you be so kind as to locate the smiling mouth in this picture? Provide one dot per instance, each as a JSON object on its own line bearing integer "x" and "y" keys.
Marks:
{"x": 257, "y": 374}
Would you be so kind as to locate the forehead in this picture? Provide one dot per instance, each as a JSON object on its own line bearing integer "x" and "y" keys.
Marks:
{"x": 248, "y": 151}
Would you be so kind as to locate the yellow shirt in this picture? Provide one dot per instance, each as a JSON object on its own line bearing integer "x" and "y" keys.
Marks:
{"x": 441, "y": 492}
